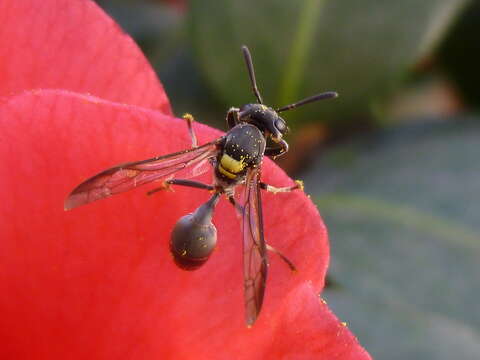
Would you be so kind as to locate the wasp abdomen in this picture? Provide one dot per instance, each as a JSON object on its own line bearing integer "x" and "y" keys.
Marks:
{"x": 194, "y": 237}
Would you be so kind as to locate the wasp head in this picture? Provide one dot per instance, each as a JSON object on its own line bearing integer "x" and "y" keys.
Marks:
{"x": 265, "y": 119}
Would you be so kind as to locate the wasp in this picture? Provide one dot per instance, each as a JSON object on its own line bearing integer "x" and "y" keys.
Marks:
{"x": 255, "y": 131}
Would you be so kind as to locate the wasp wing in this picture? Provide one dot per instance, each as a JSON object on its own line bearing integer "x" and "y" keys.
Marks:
{"x": 130, "y": 175}
{"x": 255, "y": 262}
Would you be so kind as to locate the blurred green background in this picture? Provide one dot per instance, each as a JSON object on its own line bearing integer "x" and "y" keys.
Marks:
{"x": 393, "y": 163}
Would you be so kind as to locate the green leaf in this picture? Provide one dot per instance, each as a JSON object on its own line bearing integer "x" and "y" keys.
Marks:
{"x": 359, "y": 48}
{"x": 402, "y": 211}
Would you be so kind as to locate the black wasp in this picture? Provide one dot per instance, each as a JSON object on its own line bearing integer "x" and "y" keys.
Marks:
{"x": 255, "y": 130}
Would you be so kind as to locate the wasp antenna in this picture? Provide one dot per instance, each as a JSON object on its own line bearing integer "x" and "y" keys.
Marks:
{"x": 322, "y": 96}
{"x": 251, "y": 73}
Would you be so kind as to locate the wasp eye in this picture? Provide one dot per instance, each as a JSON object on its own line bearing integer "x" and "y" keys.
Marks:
{"x": 280, "y": 125}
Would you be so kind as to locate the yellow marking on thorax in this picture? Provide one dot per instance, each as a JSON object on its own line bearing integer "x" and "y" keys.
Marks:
{"x": 226, "y": 173}
{"x": 230, "y": 167}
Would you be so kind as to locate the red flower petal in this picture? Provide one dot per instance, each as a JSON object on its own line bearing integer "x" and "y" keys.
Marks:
{"x": 325, "y": 335}
{"x": 73, "y": 45}
{"x": 100, "y": 280}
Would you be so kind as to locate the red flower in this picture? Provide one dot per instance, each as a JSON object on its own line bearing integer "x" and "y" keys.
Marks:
{"x": 98, "y": 282}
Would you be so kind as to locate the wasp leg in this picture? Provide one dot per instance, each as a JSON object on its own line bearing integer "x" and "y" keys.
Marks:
{"x": 283, "y": 257}
{"x": 237, "y": 206}
{"x": 277, "y": 150}
{"x": 273, "y": 189}
{"x": 189, "y": 118}
{"x": 189, "y": 183}
{"x": 232, "y": 117}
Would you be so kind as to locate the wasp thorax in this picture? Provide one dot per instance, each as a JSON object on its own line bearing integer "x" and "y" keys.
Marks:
{"x": 194, "y": 237}
{"x": 245, "y": 143}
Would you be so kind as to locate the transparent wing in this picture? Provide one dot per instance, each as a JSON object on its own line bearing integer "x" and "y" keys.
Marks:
{"x": 187, "y": 163}
{"x": 255, "y": 262}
